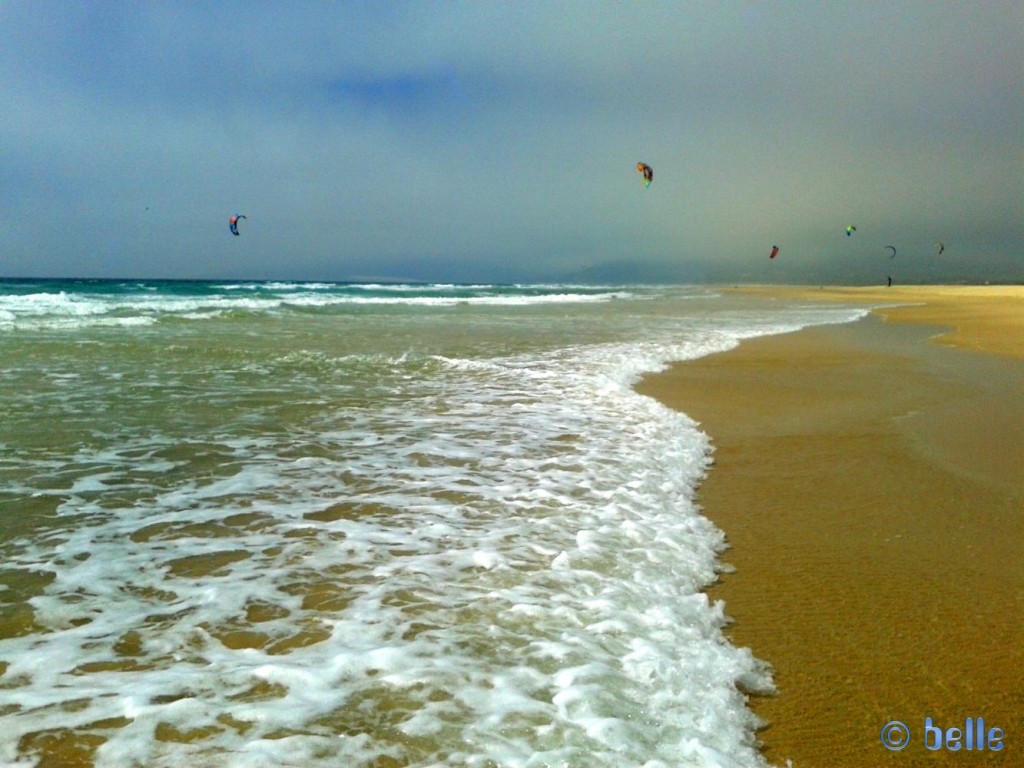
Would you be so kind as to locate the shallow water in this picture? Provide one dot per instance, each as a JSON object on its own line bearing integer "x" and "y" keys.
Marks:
{"x": 269, "y": 524}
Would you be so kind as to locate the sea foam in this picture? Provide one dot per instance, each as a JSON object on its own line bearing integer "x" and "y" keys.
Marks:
{"x": 372, "y": 551}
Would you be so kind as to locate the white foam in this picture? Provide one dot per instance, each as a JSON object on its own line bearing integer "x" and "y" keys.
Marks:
{"x": 489, "y": 560}
{"x": 118, "y": 307}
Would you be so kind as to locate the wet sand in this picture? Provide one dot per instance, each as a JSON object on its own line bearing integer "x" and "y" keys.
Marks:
{"x": 870, "y": 482}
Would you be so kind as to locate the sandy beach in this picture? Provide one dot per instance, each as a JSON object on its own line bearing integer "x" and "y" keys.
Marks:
{"x": 869, "y": 478}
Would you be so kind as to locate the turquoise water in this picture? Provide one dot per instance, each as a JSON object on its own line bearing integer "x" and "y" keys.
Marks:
{"x": 276, "y": 524}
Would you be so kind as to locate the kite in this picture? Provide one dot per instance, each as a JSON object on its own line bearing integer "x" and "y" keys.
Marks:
{"x": 939, "y": 247}
{"x": 647, "y": 172}
{"x": 850, "y": 230}
{"x": 893, "y": 251}
{"x": 233, "y": 223}
{"x": 774, "y": 253}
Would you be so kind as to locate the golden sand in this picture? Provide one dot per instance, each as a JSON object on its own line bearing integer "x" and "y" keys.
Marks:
{"x": 984, "y": 318}
{"x": 871, "y": 487}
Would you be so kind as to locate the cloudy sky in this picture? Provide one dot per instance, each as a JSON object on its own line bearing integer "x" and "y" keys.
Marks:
{"x": 491, "y": 141}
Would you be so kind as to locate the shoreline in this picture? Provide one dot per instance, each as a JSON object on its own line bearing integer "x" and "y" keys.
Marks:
{"x": 868, "y": 483}
{"x": 980, "y": 318}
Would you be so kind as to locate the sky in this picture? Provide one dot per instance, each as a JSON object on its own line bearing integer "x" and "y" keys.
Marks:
{"x": 498, "y": 141}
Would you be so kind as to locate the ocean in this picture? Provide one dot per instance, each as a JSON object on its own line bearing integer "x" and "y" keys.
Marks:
{"x": 258, "y": 524}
